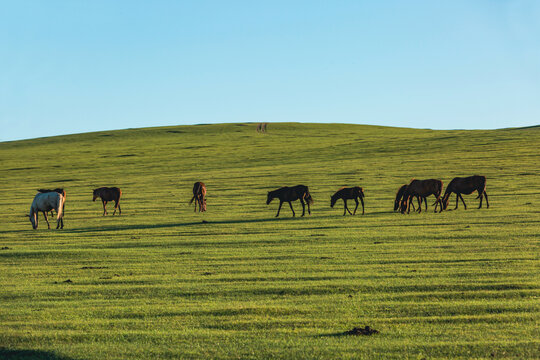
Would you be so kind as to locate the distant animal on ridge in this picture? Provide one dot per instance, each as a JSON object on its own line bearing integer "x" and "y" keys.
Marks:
{"x": 61, "y": 191}
{"x": 199, "y": 194}
{"x": 422, "y": 188}
{"x": 44, "y": 202}
{"x": 399, "y": 198}
{"x": 293, "y": 193}
{"x": 348, "y": 193}
{"x": 109, "y": 194}
{"x": 466, "y": 185}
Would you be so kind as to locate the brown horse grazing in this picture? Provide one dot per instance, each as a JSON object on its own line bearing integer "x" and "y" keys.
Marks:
{"x": 199, "y": 194}
{"x": 348, "y": 193}
{"x": 422, "y": 188}
{"x": 399, "y": 197}
{"x": 61, "y": 191}
{"x": 109, "y": 194}
{"x": 466, "y": 186}
{"x": 288, "y": 194}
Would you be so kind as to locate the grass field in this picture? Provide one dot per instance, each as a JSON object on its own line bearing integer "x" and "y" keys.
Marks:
{"x": 158, "y": 283}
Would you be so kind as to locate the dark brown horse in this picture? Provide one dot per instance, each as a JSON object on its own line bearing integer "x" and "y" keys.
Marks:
{"x": 399, "y": 197}
{"x": 61, "y": 191}
{"x": 293, "y": 193}
{"x": 466, "y": 185}
{"x": 348, "y": 193}
{"x": 109, "y": 194}
{"x": 422, "y": 188}
{"x": 199, "y": 194}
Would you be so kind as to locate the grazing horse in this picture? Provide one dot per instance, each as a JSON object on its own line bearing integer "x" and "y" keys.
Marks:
{"x": 199, "y": 194}
{"x": 109, "y": 194}
{"x": 399, "y": 197}
{"x": 61, "y": 191}
{"x": 288, "y": 194}
{"x": 422, "y": 188}
{"x": 466, "y": 186}
{"x": 44, "y": 202}
{"x": 348, "y": 193}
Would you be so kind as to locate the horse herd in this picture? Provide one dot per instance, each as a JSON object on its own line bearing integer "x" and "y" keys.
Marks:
{"x": 47, "y": 200}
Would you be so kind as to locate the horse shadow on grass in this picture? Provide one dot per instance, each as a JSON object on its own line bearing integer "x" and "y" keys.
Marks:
{"x": 172, "y": 225}
{"x": 11, "y": 354}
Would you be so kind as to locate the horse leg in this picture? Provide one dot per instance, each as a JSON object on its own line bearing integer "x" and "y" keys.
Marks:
{"x": 115, "y": 207}
{"x": 487, "y": 202}
{"x": 60, "y": 222}
{"x": 463, "y": 201}
{"x": 279, "y": 208}
{"x": 47, "y": 220}
{"x": 356, "y": 207}
{"x": 303, "y": 206}
{"x": 345, "y": 207}
{"x": 104, "y": 208}
{"x": 119, "y": 208}
{"x": 293, "y": 214}
{"x": 425, "y": 201}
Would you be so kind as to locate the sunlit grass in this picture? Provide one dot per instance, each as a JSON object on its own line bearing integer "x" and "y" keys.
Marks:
{"x": 157, "y": 282}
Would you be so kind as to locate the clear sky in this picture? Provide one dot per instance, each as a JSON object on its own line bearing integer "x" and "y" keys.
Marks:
{"x": 75, "y": 66}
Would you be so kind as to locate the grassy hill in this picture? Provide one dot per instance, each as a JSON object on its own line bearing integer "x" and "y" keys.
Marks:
{"x": 158, "y": 283}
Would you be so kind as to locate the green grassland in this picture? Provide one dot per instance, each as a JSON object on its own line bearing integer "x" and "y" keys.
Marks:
{"x": 158, "y": 283}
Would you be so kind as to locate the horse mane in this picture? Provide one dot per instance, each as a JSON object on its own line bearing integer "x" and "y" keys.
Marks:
{"x": 58, "y": 190}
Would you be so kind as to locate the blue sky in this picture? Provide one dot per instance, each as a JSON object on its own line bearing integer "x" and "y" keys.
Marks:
{"x": 77, "y": 66}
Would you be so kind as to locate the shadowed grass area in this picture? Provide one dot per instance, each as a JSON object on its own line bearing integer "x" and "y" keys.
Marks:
{"x": 158, "y": 282}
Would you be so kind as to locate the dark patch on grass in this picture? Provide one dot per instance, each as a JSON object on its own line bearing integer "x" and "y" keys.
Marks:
{"x": 24, "y": 168}
{"x": 126, "y": 155}
{"x": 197, "y": 147}
{"x": 175, "y": 131}
{"x": 356, "y": 331}
{"x": 5, "y": 248}
{"x": 18, "y": 354}
{"x": 62, "y": 180}
{"x": 94, "y": 267}
{"x": 68, "y": 281}
{"x": 207, "y": 273}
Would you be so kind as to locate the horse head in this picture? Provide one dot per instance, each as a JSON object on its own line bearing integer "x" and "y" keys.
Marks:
{"x": 333, "y": 200}
{"x": 32, "y": 219}
{"x": 445, "y": 200}
{"x": 95, "y": 195}
{"x": 269, "y": 198}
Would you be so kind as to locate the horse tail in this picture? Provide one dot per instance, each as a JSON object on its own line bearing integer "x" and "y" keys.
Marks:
{"x": 196, "y": 191}
{"x": 60, "y": 211}
{"x": 482, "y": 188}
{"x": 307, "y": 197}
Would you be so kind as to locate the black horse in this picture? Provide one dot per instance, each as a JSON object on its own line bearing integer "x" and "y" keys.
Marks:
{"x": 109, "y": 194}
{"x": 466, "y": 186}
{"x": 399, "y": 198}
{"x": 422, "y": 189}
{"x": 293, "y": 193}
{"x": 348, "y": 193}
